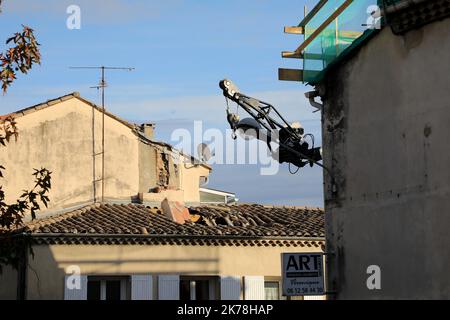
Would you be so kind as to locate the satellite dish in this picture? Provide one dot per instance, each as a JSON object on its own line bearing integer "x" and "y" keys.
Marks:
{"x": 204, "y": 181}
{"x": 204, "y": 152}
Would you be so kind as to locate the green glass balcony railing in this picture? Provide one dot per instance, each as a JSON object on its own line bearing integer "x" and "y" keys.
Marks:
{"x": 351, "y": 24}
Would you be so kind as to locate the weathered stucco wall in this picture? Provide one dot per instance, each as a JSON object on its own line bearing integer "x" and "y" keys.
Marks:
{"x": 147, "y": 168}
{"x": 47, "y": 269}
{"x": 386, "y": 137}
{"x": 66, "y": 138}
{"x": 190, "y": 181}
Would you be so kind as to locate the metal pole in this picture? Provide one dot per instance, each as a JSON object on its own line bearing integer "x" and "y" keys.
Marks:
{"x": 103, "y": 134}
{"x": 94, "y": 157}
{"x": 337, "y": 36}
{"x": 102, "y": 86}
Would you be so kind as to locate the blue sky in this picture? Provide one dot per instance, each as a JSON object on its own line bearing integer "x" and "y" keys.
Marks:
{"x": 181, "y": 49}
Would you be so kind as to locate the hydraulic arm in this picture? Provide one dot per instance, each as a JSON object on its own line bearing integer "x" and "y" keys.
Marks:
{"x": 267, "y": 124}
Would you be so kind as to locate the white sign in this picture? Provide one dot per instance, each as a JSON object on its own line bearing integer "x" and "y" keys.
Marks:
{"x": 303, "y": 274}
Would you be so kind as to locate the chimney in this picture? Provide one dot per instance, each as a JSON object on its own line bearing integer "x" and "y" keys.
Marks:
{"x": 148, "y": 130}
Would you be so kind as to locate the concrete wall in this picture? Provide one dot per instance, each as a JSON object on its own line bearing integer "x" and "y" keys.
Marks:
{"x": 47, "y": 269}
{"x": 386, "y": 137}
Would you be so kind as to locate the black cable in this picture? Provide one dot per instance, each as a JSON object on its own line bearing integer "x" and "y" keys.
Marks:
{"x": 290, "y": 170}
{"x": 312, "y": 139}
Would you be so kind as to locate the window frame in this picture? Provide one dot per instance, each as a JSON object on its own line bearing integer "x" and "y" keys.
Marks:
{"x": 280, "y": 287}
{"x": 125, "y": 285}
{"x": 213, "y": 287}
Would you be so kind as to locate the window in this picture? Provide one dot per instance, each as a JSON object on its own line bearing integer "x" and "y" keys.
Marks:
{"x": 199, "y": 288}
{"x": 272, "y": 290}
{"x": 108, "y": 288}
{"x": 94, "y": 290}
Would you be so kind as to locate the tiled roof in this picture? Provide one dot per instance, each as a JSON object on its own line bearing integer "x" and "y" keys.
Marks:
{"x": 130, "y": 223}
{"x": 269, "y": 221}
{"x": 415, "y": 15}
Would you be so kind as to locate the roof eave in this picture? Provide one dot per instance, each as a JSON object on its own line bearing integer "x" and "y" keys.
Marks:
{"x": 172, "y": 237}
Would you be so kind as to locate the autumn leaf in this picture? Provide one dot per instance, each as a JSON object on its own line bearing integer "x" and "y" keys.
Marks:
{"x": 21, "y": 57}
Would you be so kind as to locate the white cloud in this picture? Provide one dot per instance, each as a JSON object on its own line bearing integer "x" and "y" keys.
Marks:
{"x": 211, "y": 109}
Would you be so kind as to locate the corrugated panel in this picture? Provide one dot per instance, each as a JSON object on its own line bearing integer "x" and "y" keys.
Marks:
{"x": 169, "y": 287}
{"x": 75, "y": 293}
{"x": 141, "y": 287}
{"x": 230, "y": 288}
{"x": 254, "y": 288}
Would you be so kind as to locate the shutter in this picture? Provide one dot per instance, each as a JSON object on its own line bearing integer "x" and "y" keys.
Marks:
{"x": 230, "y": 288}
{"x": 75, "y": 293}
{"x": 213, "y": 289}
{"x": 169, "y": 287}
{"x": 254, "y": 288}
{"x": 141, "y": 287}
{"x": 314, "y": 298}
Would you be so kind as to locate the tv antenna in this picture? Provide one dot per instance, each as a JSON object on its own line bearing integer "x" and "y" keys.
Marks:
{"x": 101, "y": 86}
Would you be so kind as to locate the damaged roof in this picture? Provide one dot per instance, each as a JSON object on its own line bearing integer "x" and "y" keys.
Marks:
{"x": 246, "y": 224}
